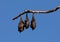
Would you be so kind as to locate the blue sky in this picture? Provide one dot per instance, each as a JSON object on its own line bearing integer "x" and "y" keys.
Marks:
{"x": 48, "y": 25}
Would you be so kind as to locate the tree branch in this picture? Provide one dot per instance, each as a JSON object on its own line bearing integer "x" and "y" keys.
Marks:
{"x": 36, "y": 11}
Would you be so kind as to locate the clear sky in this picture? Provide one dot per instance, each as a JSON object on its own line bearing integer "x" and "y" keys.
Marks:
{"x": 48, "y": 25}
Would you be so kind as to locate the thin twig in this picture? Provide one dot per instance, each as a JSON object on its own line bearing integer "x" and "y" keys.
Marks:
{"x": 36, "y": 11}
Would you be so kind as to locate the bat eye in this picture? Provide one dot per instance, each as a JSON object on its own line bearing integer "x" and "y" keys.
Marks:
{"x": 33, "y": 23}
{"x": 21, "y": 25}
{"x": 27, "y": 22}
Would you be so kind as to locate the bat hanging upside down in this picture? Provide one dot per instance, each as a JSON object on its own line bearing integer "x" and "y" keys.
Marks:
{"x": 25, "y": 24}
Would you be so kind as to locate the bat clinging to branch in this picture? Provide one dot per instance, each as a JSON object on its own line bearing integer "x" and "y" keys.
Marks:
{"x": 21, "y": 24}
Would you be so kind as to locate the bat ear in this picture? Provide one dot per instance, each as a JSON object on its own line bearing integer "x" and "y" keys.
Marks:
{"x": 33, "y": 23}
{"x": 26, "y": 22}
{"x": 21, "y": 25}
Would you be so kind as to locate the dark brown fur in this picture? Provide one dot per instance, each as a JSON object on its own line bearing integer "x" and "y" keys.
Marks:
{"x": 21, "y": 26}
{"x": 33, "y": 23}
{"x": 26, "y": 22}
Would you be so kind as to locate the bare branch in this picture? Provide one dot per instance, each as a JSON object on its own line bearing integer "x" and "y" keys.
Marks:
{"x": 36, "y": 11}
